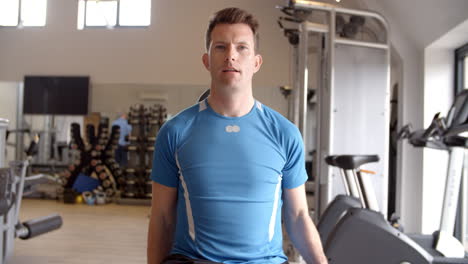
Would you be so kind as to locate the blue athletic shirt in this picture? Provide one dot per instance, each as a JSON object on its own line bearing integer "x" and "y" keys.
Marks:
{"x": 229, "y": 172}
{"x": 125, "y": 130}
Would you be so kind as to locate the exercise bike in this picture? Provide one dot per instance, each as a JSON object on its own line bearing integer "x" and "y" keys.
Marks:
{"x": 354, "y": 197}
{"x": 363, "y": 235}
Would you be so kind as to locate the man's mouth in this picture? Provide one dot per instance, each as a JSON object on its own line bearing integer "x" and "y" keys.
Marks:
{"x": 230, "y": 70}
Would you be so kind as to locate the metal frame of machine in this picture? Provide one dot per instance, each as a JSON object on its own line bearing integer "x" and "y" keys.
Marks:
{"x": 326, "y": 91}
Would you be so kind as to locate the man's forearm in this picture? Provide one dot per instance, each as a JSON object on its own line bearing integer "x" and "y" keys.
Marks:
{"x": 160, "y": 238}
{"x": 305, "y": 238}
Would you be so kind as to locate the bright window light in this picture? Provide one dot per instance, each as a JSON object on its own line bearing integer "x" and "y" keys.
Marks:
{"x": 33, "y": 12}
{"x": 101, "y": 13}
{"x": 112, "y": 13}
{"x": 81, "y": 14}
{"x": 135, "y": 12}
{"x": 9, "y": 12}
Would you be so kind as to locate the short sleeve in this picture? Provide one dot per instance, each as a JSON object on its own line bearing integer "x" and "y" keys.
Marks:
{"x": 294, "y": 172}
{"x": 165, "y": 170}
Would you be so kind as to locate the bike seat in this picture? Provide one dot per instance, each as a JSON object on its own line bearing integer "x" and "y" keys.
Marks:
{"x": 352, "y": 162}
{"x": 330, "y": 160}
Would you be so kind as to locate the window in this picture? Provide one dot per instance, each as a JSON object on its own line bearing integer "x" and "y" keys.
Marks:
{"x": 112, "y": 13}
{"x": 461, "y": 68}
{"x": 19, "y": 13}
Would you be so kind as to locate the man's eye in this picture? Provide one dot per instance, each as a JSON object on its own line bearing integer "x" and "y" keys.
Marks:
{"x": 220, "y": 47}
{"x": 243, "y": 47}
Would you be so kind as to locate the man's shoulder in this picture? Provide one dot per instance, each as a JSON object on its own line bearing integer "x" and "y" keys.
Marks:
{"x": 276, "y": 119}
{"x": 118, "y": 121}
{"x": 180, "y": 120}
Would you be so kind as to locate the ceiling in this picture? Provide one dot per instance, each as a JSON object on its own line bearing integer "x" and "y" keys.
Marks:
{"x": 425, "y": 21}
{"x": 422, "y": 21}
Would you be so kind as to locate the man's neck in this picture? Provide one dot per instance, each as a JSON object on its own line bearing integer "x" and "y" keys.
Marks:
{"x": 231, "y": 105}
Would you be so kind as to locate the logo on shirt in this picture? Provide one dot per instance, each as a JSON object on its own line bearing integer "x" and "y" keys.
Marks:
{"x": 232, "y": 129}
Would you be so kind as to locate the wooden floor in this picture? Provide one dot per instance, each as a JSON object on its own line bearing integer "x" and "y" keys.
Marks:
{"x": 90, "y": 234}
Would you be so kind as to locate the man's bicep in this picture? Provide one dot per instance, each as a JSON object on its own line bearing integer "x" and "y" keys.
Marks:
{"x": 164, "y": 200}
{"x": 295, "y": 201}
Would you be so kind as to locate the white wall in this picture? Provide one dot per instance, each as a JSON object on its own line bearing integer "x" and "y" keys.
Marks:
{"x": 166, "y": 53}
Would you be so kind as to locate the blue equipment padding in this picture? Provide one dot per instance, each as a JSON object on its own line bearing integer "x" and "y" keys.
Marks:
{"x": 85, "y": 183}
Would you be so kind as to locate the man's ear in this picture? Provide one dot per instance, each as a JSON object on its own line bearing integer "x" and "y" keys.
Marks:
{"x": 206, "y": 61}
{"x": 258, "y": 62}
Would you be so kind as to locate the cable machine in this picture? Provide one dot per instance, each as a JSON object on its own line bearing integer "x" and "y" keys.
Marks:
{"x": 340, "y": 90}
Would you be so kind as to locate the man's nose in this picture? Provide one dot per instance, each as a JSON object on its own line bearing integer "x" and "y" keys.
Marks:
{"x": 231, "y": 54}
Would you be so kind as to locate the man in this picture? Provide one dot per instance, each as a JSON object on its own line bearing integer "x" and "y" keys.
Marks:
{"x": 224, "y": 167}
{"x": 125, "y": 129}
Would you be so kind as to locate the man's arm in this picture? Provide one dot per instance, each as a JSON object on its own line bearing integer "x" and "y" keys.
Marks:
{"x": 300, "y": 227}
{"x": 162, "y": 222}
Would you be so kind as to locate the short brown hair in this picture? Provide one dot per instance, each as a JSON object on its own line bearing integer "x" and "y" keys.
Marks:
{"x": 232, "y": 15}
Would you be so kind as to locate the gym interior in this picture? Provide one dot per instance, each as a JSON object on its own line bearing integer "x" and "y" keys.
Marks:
{"x": 363, "y": 80}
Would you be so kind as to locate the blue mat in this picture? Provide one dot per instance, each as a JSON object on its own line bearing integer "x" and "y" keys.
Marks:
{"x": 85, "y": 183}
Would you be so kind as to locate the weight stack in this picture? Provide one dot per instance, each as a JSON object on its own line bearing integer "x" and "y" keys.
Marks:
{"x": 136, "y": 159}
{"x": 146, "y": 123}
{"x": 157, "y": 115}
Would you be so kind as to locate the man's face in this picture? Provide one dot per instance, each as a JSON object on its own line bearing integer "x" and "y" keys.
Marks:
{"x": 231, "y": 59}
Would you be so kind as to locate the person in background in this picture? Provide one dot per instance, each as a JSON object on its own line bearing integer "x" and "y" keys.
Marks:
{"x": 121, "y": 153}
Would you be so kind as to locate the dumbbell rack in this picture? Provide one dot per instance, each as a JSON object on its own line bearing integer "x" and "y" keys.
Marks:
{"x": 145, "y": 122}
{"x": 94, "y": 157}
